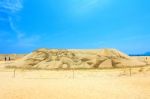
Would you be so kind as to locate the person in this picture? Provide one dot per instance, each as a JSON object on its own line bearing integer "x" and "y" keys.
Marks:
{"x": 5, "y": 58}
{"x": 9, "y": 58}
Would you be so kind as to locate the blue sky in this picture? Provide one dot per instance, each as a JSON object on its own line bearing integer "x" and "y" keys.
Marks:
{"x": 26, "y": 25}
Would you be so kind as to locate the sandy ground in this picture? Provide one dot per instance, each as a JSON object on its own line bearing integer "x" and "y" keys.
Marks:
{"x": 78, "y": 84}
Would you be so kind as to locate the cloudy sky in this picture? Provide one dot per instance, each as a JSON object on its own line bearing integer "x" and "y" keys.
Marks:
{"x": 26, "y": 25}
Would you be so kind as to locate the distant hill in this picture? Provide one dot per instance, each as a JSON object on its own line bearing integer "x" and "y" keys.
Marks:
{"x": 145, "y": 54}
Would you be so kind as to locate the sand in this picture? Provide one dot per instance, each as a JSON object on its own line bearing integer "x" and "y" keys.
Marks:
{"x": 75, "y": 58}
{"x": 80, "y": 74}
{"x": 80, "y": 84}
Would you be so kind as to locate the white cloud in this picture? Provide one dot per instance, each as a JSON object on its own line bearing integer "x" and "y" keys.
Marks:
{"x": 13, "y": 27}
{"x": 9, "y": 8}
{"x": 11, "y": 5}
{"x": 23, "y": 40}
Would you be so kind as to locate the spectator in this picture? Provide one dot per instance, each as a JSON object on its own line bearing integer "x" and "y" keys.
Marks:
{"x": 5, "y": 58}
{"x": 9, "y": 59}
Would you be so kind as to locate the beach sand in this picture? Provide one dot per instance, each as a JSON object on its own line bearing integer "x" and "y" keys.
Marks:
{"x": 75, "y": 84}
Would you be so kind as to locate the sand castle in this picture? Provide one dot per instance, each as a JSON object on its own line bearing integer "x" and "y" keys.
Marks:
{"x": 71, "y": 58}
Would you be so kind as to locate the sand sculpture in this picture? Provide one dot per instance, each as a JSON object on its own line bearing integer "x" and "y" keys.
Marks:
{"x": 71, "y": 58}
